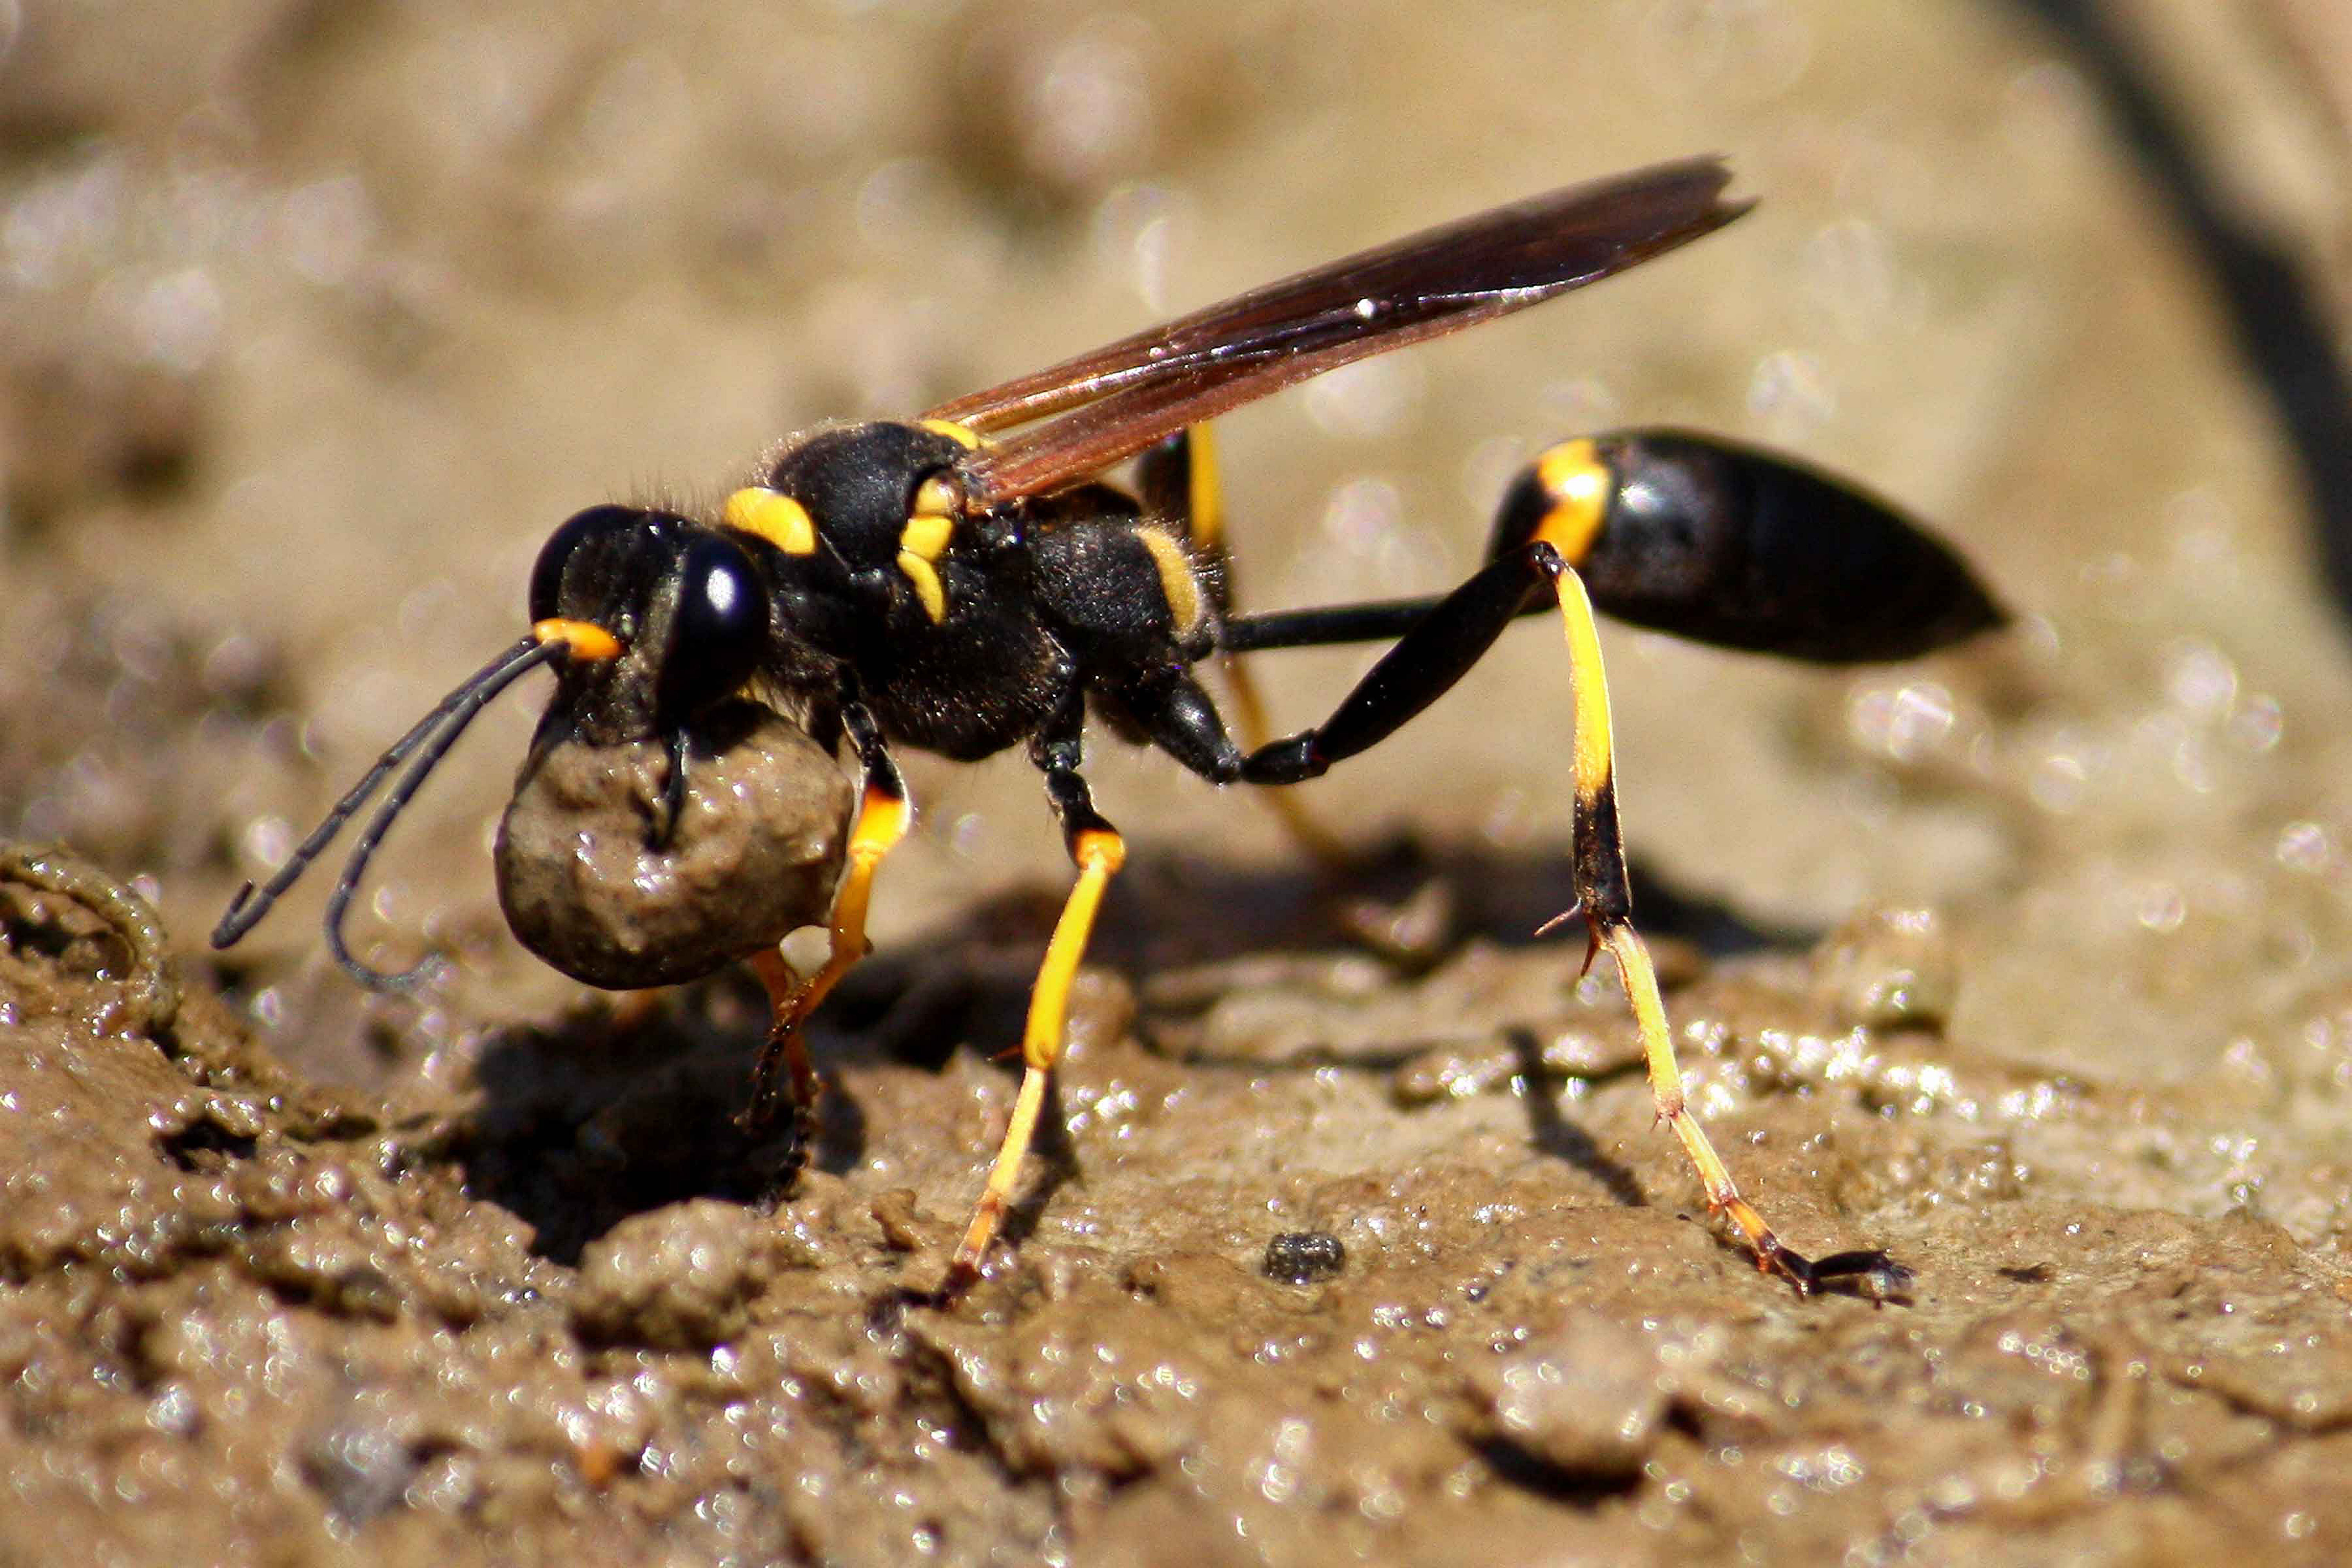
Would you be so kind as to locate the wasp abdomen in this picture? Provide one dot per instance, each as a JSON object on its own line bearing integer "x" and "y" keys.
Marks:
{"x": 1744, "y": 548}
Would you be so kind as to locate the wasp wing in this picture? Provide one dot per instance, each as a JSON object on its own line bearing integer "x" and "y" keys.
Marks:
{"x": 1134, "y": 391}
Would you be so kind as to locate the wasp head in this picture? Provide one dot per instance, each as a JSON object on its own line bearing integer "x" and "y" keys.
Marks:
{"x": 663, "y": 823}
{"x": 660, "y": 617}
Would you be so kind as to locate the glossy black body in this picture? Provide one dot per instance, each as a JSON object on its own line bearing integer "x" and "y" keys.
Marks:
{"x": 1746, "y": 548}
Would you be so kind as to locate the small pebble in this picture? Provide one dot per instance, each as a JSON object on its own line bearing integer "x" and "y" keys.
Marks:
{"x": 1303, "y": 1256}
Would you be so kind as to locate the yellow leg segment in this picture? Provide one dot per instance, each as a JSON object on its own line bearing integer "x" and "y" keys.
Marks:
{"x": 784, "y": 1045}
{"x": 1204, "y": 499}
{"x": 882, "y": 820}
{"x": 1594, "y": 743}
{"x": 1640, "y": 983}
{"x": 1600, "y": 887}
{"x": 1204, "y": 528}
{"x": 1099, "y": 854}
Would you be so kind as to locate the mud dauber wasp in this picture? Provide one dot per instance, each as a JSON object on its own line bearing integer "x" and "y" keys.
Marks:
{"x": 965, "y": 582}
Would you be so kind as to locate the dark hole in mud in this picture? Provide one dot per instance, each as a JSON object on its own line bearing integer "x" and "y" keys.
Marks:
{"x": 204, "y": 1146}
{"x": 1572, "y": 1488}
{"x": 44, "y": 926}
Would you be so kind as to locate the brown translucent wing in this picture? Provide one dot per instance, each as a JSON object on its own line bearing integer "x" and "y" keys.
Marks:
{"x": 1136, "y": 391}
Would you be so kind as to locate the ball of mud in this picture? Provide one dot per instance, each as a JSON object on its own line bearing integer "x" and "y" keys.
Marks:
{"x": 590, "y": 882}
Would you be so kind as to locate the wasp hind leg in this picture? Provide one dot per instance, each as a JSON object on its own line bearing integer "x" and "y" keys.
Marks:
{"x": 1422, "y": 667}
{"x": 1606, "y": 901}
{"x": 883, "y": 815}
{"x": 1178, "y": 480}
{"x": 1097, "y": 851}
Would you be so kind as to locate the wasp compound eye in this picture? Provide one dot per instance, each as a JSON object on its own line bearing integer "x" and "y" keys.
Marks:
{"x": 718, "y": 626}
{"x": 556, "y": 555}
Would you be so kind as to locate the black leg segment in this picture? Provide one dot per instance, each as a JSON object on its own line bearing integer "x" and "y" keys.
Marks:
{"x": 1425, "y": 663}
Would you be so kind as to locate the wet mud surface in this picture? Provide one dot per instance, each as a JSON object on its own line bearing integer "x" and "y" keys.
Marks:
{"x": 1351, "y": 1238}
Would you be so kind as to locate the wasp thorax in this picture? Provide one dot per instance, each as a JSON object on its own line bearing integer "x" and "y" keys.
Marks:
{"x": 863, "y": 482}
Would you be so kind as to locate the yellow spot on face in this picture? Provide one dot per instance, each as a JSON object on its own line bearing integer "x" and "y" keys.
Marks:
{"x": 1177, "y": 584}
{"x": 962, "y": 436}
{"x": 1579, "y": 485}
{"x": 585, "y": 639}
{"x": 774, "y": 517}
{"x": 927, "y": 587}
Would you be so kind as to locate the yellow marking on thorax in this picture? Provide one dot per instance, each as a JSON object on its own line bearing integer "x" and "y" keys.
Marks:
{"x": 930, "y": 529}
{"x": 1579, "y": 485}
{"x": 928, "y": 586}
{"x": 1177, "y": 582}
{"x": 927, "y": 536}
{"x": 774, "y": 517}
{"x": 930, "y": 525}
{"x": 939, "y": 496}
{"x": 962, "y": 436}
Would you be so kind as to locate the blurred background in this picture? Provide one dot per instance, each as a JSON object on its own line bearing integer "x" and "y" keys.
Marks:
{"x": 315, "y": 317}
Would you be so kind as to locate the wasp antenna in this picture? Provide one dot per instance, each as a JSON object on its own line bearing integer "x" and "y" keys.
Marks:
{"x": 251, "y": 903}
{"x": 457, "y": 711}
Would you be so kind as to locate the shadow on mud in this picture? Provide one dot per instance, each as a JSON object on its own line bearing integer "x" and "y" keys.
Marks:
{"x": 634, "y": 1105}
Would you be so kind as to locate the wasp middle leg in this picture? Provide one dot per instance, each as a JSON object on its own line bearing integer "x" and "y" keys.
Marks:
{"x": 1178, "y": 480}
{"x": 883, "y": 814}
{"x": 1098, "y": 850}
